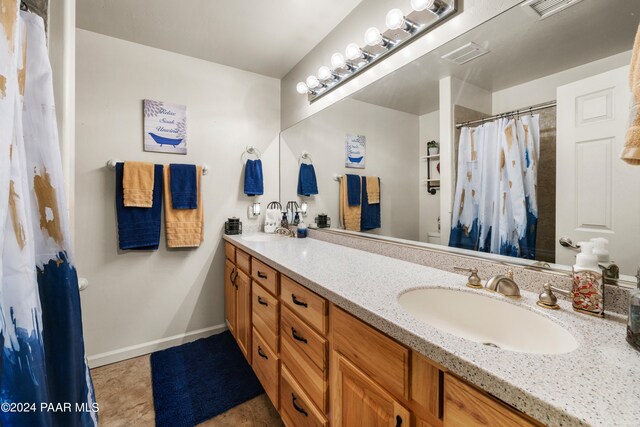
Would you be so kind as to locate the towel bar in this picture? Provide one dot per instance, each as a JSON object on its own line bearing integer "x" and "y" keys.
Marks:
{"x": 111, "y": 164}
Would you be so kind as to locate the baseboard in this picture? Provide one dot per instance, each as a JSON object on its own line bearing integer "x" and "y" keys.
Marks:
{"x": 151, "y": 346}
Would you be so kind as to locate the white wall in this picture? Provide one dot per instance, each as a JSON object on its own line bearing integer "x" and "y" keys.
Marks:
{"x": 140, "y": 301}
{"x": 392, "y": 151}
{"x": 429, "y": 203}
{"x": 295, "y": 107}
{"x": 544, "y": 89}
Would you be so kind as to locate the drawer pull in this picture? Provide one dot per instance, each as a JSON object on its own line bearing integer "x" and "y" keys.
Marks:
{"x": 296, "y": 301}
{"x": 261, "y": 353}
{"x": 262, "y": 275}
{"x": 297, "y": 337}
{"x": 299, "y": 408}
{"x": 398, "y": 420}
{"x": 231, "y": 275}
{"x": 262, "y": 302}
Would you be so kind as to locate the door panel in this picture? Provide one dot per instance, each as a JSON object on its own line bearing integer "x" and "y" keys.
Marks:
{"x": 230, "y": 296}
{"x": 243, "y": 313}
{"x": 596, "y": 191}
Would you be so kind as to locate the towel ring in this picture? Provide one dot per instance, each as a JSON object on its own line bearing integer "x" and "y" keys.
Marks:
{"x": 305, "y": 156}
{"x": 251, "y": 150}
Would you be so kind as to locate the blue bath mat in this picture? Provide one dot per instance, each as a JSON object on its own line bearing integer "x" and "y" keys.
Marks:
{"x": 196, "y": 381}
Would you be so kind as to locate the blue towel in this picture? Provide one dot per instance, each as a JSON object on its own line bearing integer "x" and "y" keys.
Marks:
{"x": 253, "y": 180}
{"x": 139, "y": 228}
{"x": 307, "y": 183}
{"x": 184, "y": 189}
{"x": 369, "y": 214}
{"x": 353, "y": 189}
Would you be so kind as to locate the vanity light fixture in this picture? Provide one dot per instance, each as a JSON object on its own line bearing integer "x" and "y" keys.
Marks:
{"x": 303, "y": 89}
{"x": 433, "y": 6}
{"x": 401, "y": 29}
{"x": 325, "y": 74}
{"x": 395, "y": 20}
{"x": 373, "y": 37}
{"x": 354, "y": 53}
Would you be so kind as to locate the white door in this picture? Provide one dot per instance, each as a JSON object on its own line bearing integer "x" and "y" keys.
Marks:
{"x": 598, "y": 195}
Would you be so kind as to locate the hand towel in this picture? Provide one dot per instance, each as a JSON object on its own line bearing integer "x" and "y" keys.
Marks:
{"x": 139, "y": 228}
{"x": 350, "y": 215}
{"x": 253, "y": 180}
{"x": 353, "y": 190}
{"x": 184, "y": 228}
{"x": 184, "y": 192}
{"x": 137, "y": 182}
{"x": 307, "y": 182}
{"x": 373, "y": 189}
{"x": 631, "y": 151}
{"x": 271, "y": 220}
{"x": 370, "y": 213}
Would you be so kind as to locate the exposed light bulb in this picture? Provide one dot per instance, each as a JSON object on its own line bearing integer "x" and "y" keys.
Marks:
{"x": 324, "y": 73}
{"x": 302, "y": 88}
{"x": 337, "y": 60}
{"x": 372, "y": 37}
{"x": 419, "y": 5}
{"x": 313, "y": 82}
{"x": 353, "y": 52}
{"x": 395, "y": 19}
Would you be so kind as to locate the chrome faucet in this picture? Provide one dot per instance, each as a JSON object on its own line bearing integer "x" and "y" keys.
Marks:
{"x": 504, "y": 285}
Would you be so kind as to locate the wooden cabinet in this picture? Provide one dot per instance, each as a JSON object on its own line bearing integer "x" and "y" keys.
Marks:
{"x": 358, "y": 401}
{"x": 316, "y": 361}
{"x": 230, "y": 296}
{"x": 243, "y": 313}
{"x": 465, "y": 406}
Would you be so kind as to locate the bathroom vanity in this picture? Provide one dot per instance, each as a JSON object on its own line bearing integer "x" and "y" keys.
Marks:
{"x": 322, "y": 327}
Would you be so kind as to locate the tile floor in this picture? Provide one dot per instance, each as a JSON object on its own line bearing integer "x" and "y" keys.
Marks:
{"x": 123, "y": 391}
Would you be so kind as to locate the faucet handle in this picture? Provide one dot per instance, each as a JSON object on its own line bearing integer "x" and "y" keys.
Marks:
{"x": 547, "y": 298}
{"x": 474, "y": 280}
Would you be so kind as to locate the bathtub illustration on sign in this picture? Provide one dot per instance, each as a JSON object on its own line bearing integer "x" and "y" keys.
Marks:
{"x": 165, "y": 141}
{"x": 356, "y": 159}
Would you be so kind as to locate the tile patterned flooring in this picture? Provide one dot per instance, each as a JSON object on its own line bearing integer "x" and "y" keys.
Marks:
{"x": 124, "y": 394}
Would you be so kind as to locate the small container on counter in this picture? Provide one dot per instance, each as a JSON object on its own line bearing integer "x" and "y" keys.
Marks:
{"x": 302, "y": 230}
{"x": 233, "y": 226}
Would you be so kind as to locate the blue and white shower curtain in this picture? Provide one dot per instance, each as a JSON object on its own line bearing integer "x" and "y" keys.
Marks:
{"x": 495, "y": 205}
{"x": 44, "y": 377}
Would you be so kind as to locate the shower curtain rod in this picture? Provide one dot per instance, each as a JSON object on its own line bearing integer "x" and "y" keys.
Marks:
{"x": 510, "y": 113}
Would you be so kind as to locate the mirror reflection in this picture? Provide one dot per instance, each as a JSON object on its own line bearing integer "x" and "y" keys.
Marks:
{"x": 504, "y": 142}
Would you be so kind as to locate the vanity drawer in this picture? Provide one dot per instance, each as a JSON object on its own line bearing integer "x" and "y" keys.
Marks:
{"x": 297, "y": 409}
{"x": 264, "y": 275}
{"x": 465, "y": 406}
{"x": 243, "y": 261}
{"x": 306, "y": 304}
{"x": 265, "y": 310}
{"x": 380, "y": 357}
{"x": 304, "y": 351}
{"x": 265, "y": 365}
{"x": 230, "y": 251}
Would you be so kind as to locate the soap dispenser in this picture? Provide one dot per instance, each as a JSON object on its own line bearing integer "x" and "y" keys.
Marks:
{"x": 587, "y": 292}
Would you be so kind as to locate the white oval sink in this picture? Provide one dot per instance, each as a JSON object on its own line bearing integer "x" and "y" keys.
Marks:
{"x": 489, "y": 321}
{"x": 261, "y": 237}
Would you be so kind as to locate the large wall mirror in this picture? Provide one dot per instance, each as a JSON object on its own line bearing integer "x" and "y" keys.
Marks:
{"x": 503, "y": 143}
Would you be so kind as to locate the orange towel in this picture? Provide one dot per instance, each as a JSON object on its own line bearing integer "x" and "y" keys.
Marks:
{"x": 631, "y": 150}
{"x": 350, "y": 215}
{"x": 137, "y": 184}
{"x": 373, "y": 190}
{"x": 184, "y": 227}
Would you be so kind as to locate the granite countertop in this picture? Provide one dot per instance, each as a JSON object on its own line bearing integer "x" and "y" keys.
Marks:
{"x": 597, "y": 384}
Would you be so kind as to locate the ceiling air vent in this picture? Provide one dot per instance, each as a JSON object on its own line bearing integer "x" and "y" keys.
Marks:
{"x": 545, "y": 8}
{"x": 465, "y": 53}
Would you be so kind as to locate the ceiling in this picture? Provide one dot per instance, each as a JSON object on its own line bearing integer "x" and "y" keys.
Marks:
{"x": 522, "y": 48}
{"x": 265, "y": 37}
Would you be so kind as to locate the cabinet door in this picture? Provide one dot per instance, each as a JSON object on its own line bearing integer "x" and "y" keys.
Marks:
{"x": 243, "y": 313}
{"x": 358, "y": 401}
{"x": 230, "y": 296}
